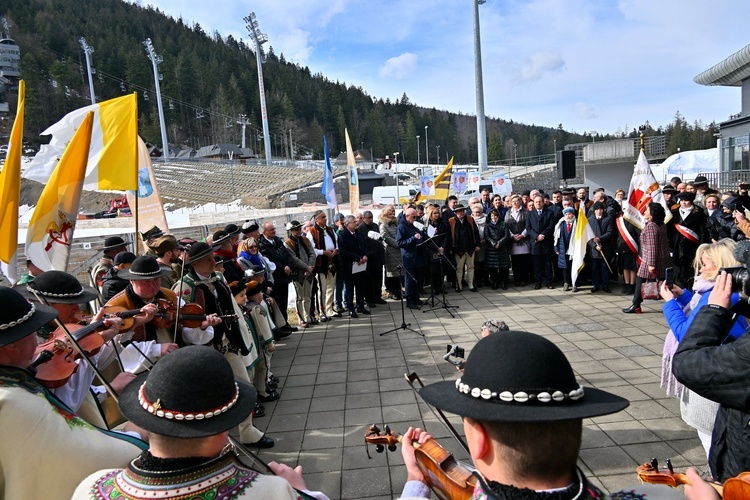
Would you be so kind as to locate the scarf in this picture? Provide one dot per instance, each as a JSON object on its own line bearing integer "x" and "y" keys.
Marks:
{"x": 668, "y": 380}
{"x": 254, "y": 258}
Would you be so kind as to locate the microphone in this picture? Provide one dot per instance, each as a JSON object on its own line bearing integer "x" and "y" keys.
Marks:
{"x": 374, "y": 235}
{"x": 742, "y": 251}
{"x": 419, "y": 225}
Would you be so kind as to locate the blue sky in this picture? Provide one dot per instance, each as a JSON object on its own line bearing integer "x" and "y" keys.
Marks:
{"x": 592, "y": 65}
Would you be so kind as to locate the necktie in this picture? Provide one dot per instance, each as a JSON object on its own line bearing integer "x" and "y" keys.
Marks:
{"x": 539, "y": 212}
{"x": 569, "y": 226}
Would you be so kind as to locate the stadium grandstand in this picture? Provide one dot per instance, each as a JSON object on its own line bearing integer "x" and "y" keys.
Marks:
{"x": 193, "y": 183}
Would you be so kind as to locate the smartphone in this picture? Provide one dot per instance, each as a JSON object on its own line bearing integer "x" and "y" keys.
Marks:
{"x": 669, "y": 277}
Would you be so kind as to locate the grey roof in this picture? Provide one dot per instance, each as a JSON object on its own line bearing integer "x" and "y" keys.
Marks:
{"x": 730, "y": 72}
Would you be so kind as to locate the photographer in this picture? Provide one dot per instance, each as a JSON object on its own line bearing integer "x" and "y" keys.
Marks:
{"x": 710, "y": 364}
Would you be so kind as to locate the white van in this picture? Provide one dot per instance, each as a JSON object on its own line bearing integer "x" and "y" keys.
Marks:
{"x": 385, "y": 195}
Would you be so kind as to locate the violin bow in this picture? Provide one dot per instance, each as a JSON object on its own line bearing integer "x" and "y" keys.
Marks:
{"x": 259, "y": 462}
{"x": 411, "y": 378}
{"x": 77, "y": 347}
{"x": 179, "y": 297}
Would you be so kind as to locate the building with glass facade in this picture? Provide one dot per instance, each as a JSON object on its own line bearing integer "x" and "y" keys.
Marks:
{"x": 734, "y": 71}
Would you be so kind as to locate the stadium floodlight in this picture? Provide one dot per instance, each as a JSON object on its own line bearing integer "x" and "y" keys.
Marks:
{"x": 259, "y": 39}
{"x": 481, "y": 127}
{"x": 156, "y": 60}
{"x": 88, "y": 50}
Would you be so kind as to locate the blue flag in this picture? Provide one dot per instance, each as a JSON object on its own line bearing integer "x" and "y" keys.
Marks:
{"x": 328, "y": 189}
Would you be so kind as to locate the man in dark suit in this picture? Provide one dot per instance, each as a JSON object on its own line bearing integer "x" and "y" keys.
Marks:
{"x": 353, "y": 251}
{"x": 601, "y": 246}
{"x": 408, "y": 238}
{"x": 540, "y": 227}
{"x": 272, "y": 247}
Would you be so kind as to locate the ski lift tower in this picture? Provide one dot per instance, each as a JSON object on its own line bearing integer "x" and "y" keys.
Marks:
{"x": 259, "y": 39}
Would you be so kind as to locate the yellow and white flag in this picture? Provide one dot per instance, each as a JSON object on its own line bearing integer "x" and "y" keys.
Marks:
{"x": 50, "y": 231}
{"x": 113, "y": 158}
{"x": 351, "y": 164}
{"x": 10, "y": 193}
{"x": 579, "y": 244}
{"x": 442, "y": 185}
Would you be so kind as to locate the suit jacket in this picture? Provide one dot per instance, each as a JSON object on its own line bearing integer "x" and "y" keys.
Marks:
{"x": 352, "y": 247}
{"x": 536, "y": 225}
{"x": 275, "y": 251}
{"x": 605, "y": 230}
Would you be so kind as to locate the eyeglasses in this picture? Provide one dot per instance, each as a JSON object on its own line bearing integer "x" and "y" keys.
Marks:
{"x": 252, "y": 246}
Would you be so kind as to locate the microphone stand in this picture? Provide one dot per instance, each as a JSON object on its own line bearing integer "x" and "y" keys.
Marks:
{"x": 404, "y": 324}
{"x": 433, "y": 297}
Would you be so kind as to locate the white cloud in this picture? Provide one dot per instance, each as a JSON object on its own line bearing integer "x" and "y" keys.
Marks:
{"x": 295, "y": 45}
{"x": 585, "y": 111}
{"x": 402, "y": 66}
{"x": 536, "y": 65}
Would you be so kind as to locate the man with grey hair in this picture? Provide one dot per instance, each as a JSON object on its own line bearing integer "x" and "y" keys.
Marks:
{"x": 494, "y": 326}
{"x": 353, "y": 257}
{"x": 272, "y": 247}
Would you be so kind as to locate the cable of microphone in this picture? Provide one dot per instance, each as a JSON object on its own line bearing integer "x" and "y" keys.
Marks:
{"x": 374, "y": 235}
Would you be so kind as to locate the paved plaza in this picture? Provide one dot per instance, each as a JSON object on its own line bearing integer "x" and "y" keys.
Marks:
{"x": 339, "y": 377}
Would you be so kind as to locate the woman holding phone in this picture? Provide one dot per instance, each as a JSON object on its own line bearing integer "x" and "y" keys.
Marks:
{"x": 680, "y": 307}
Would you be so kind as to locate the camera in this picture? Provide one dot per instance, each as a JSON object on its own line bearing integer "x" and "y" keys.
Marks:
{"x": 740, "y": 279}
{"x": 455, "y": 351}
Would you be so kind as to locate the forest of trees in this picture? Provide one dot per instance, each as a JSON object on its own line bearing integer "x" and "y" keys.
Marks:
{"x": 209, "y": 81}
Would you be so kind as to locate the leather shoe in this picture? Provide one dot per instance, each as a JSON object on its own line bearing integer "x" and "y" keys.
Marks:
{"x": 550, "y": 286}
{"x": 458, "y": 289}
{"x": 538, "y": 286}
{"x": 632, "y": 310}
{"x": 606, "y": 290}
{"x": 566, "y": 287}
{"x": 264, "y": 442}
{"x": 474, "y": 289}
{"x": 337, "y": 314}
{"x": 273, "y": 378}
{"x": 595, "y": 289}
{"x": 324, "y": 318}
{"x": 412, "y": 305}
{"x": 380, "y": 301}
{"x": 575, "y": 289}
{"x": 314, "y": 322}
{"x": 353, "y": 314}
{"x": 281, "y": 334}
{"x": 272, "y": 396}
{"x": 363, "y": 311}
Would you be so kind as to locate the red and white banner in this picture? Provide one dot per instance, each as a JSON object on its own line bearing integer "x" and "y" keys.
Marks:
{"x": 644, "y": 189}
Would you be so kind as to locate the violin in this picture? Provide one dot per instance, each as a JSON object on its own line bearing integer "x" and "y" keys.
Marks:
{"x": 734, "y": 488}
{"x": 55, "y": 360}
{"x": 190, "y": 315}
{"x": 444, "y": 474}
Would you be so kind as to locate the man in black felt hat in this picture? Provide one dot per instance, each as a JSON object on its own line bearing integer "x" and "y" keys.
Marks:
{"x": 686, "y": 233}
{"x": 522, "y": 412}
{"x": 167, "y": 251}
{"x": 188, "y": 414}
{"x": 64, "y": 293}
{"x": 224, "y": 247}
{"x": 112, "y": 246}
{"x": 38, "y": 431}
{"x": 230, "y": 336}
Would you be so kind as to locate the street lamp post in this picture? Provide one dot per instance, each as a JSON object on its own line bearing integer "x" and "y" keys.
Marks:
{"x": 438, "y": 153}
{"x": 515, "y": 155}
{"x": 426, "y": 147}
{"x": 481, "y": 127}
{"x": 395, "y": 155}
{"x": 418, "y": 160}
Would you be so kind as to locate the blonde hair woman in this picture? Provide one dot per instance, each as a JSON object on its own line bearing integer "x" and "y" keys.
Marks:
{"x": 679, "y": 310}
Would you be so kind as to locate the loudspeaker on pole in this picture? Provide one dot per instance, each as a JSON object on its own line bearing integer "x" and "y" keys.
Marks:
{"x": 566, "y": 164}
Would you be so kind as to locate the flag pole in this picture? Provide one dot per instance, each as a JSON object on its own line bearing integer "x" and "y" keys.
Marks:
{"x": 136, "y": 245}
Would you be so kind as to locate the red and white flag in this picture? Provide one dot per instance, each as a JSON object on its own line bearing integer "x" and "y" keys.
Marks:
{"x": 644, "y": 189}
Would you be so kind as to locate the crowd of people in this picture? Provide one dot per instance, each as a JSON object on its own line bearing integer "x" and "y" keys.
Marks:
{"x": 173, "y": 421}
